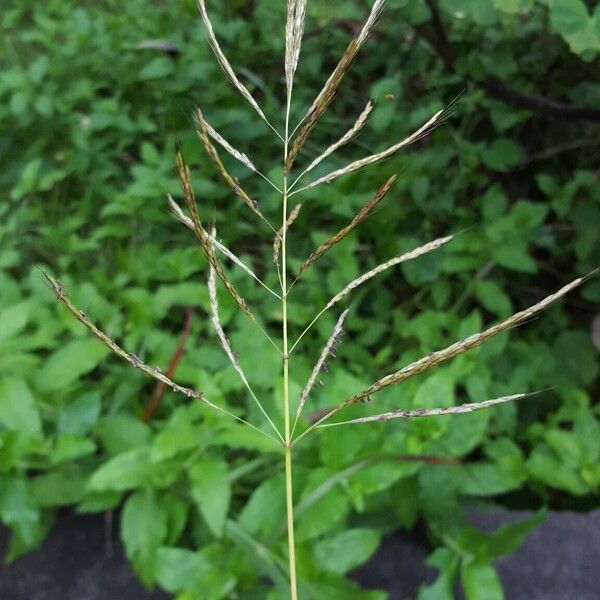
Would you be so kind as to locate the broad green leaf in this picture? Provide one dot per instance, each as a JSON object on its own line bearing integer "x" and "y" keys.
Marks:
{"x": 178, "y": 569}
{"x": 79, "y": 416}
{"x": 265, "y": 509}
{"x": 178, "y": 435}
{"x": 143, "y": 530}
{"x": 130, "y": 470}
{"x": 70, "y": 447}
{"x": 481, "y": 582}
{"x": 67, "y": 364}
{"x": 18, "y": 410}
{"x": 211, "y": 491}
{"x": 570, "y": 18}
{"x": 123, "y": 432}
{"x": 17, "y": 509}
{"x": 346, "y": 550}
{"x": 59, "y": 488}
{"x": 13, "y": 319}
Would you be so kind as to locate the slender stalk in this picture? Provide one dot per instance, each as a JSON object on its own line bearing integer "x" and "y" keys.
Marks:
{"x": 289, "y": 501}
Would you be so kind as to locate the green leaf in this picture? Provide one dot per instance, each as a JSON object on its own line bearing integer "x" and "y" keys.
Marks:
{"x": 487, "y": 479}
{"x": 513, "y": 6}
{"x": 265, "y": 510}
{"x": 178, "y": 435}
{"x": 481, "y": 582}
{"x": 570, "y": 18}
{"x": 502, "y": 154}
{"x": 67, "y": 364}
{"x": 211, "y": 491}
{"x": 513, "y": 255}
{"x": 70, "y": 447}
{"x": 493, "y": 298}
{"x": 504, "y": 540}
{"x": 576, "y": 357}
{"x": 346, "y": 550}
{"x": 123, "y": 432}
{"x": 17, "y": 509}
{"x": 178, "y": 569}
{"x": 18, "y": 410}
{"x": 13, "y": 319}
{"x": 143, "y": 530}
{"x": 59, "y": 488}
{"x": 78, "y": 417}
{"x": 130, "y": 470}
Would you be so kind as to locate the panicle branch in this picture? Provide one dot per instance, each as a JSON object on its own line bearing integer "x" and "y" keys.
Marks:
{"x": 347, "y": 137}
{"x": 329, "y": 350}
{"x": 204, "y": 238}
{"x": 374, "y": 158}
{"x": 279, "y": 236}
{"x": 429, "y": 412}
{"x": 296, "y": 16}
{"x": 132, "y": 359}
{"x": 226, "y": 66}
{"x": 185, "y": 220}
{"x": 362, "y": 214}
{"x": 233, "y": 357}
{"x": 326, "y": 95}
{"x": 435, "y": 358}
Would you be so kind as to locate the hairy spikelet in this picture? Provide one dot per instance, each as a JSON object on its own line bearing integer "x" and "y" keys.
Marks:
{"x": 215, "y": 135}
{"x": 132, "y": 359}
{"x": 386, "y": 265}
{"x": 362, "y": 214}
{"x": 224, "y": 63}
{"x": 435, "y": 358}
{"x": 296, "y": 15}
{"x": 185, "y": 220}
{"x": 204, "y": 239}
{"x": 329, "y": 350}
{"x": 279, "y": 236}
{"x": 430, "y": 412}
{"x": 369, "y": 160}
{"x": 347, "y": 137}
{"x": 326, "y": 95}
{"x": 203, "y": 133}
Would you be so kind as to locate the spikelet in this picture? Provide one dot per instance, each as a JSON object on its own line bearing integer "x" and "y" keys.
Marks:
{"x": 435, "y": 358}
{"x": 296, "y": 15}
{"x": 326, "y": 95}
{"x": 429, "y": 412}
{"x": 176, "y": 210}
{"x": 386, "y": 265}
{"x": 132, "y": 359}
{"x": 362, "y": 214}
{"x": 224, "y": 63}
{"x": 215, "y": 135}
{"x": 203, "y": 134}
{"x": 204, "y": 238}
{"x": 279, "y": 236}
{"x": 329, "y": 349}
{"x": 348, "y": 136}
{"x": 369, "y": 160}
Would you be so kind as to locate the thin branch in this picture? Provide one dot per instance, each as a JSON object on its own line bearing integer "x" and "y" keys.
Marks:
{"x": 362, "y": 214}
{"x": 214, "y": 309}
{"x": 185, "y": 220}
{"x": 226, "y": 66}
{"x": 428, "y": 412}
{"x": 135, "y": 361}
{"x": 369, "y": 274}
{"x": 329, "y": 349}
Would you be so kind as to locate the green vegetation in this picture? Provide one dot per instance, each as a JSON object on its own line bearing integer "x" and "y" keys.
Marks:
{"x": 92, "y": 115}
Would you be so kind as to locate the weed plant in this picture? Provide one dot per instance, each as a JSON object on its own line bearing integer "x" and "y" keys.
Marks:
{"x": 294, "y": 181}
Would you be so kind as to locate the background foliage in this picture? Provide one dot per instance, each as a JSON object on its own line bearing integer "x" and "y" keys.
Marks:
{"x": 91, "y": 117}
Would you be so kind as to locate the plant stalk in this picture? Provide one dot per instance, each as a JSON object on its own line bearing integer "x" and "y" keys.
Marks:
{"x": 289, "y": 501}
